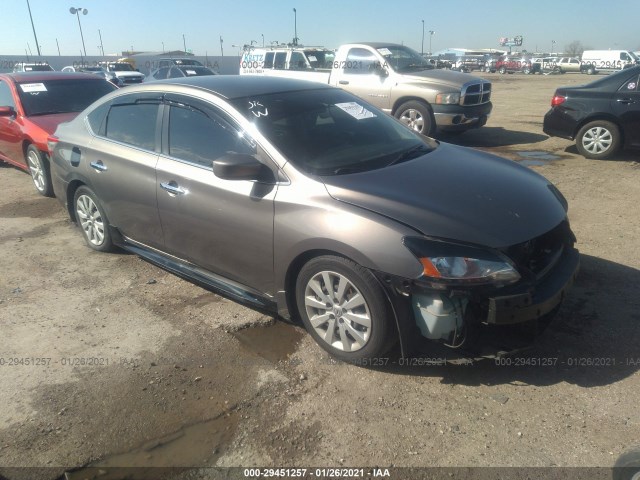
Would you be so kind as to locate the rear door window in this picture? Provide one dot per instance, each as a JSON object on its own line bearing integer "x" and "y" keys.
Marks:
{"x": 133, "y": 124}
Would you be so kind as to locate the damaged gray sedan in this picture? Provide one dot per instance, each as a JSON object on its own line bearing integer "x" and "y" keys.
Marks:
{"x": 304, "y": 201}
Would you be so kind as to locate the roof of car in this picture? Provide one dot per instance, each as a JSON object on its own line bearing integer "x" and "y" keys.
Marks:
{"x": 238, "y": 86}
{"x": 21, "y": 77}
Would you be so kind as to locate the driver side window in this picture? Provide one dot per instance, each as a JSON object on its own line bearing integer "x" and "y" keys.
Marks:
{"x": 200, "y": 137}
{"x": 6, "y": 98}
{"x": 359, "y": 62}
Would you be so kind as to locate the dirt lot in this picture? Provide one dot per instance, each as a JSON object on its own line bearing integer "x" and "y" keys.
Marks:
{"x": 109, "y": 361}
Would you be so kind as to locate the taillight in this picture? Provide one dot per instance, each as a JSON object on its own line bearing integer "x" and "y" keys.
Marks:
{"x": 52, "y": 141}
{"x": 557, "y": 100}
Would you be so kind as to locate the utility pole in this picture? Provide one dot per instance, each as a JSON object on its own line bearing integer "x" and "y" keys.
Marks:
{"x": 34, "y": 29}
{"x": 221, "y": 49}
{"x": 58, "y": 45}
{"x": 422, "y": 49}
{"x": 101, "y": 45}
{"x": 184, "y": 43}
{"x": 295, "y": 27}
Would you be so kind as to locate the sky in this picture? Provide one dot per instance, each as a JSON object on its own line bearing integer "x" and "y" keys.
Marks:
{"x": 145, "y": 25}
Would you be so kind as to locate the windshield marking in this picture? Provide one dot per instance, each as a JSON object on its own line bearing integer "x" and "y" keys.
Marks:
{"x": 355, "y": 110}
{"x": 258, "y": 109}
{"x": 33, "y": 87}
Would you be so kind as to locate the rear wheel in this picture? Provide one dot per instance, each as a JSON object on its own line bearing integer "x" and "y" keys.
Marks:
{"x": 503, "y": 70}
{"x": 417, "y": 116}
{"x": 92, "y": 220}
{"x": 342, "y": 306}
{"x": 40, "y": 171}
{"x": 598, "y": 140}
{"x": 591, "y": 71}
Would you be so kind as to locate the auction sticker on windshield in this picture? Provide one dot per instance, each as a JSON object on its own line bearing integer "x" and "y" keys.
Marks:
{"x": 384, "y": 51}
{"x": 355, "y": 110}
{"x": 33, "y": 87}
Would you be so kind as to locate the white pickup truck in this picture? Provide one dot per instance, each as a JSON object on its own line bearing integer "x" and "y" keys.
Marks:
{"x": 392, "y": 77}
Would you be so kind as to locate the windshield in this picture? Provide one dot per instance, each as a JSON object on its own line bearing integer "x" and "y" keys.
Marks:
{"x": 61, "y": 96}
{"x": 180, "y": 61}
{"x": 403, "y": 59}
{"x": 38, "y": 68}
{"x": 121, "y": 67}
{"x": 634, "y": 56}
{"x": 196, "y": 71}
{"x": 331, "y": 132}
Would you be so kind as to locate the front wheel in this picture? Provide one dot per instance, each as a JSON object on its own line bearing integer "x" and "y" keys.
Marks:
{"x": 342, "y": 306}
{"x": 598, "y": 140}
{"x": 92, "y": 220}
{"x": 503, "y": 70}
{"x": 40, "y": 171}
{"x": 416, "y": 116}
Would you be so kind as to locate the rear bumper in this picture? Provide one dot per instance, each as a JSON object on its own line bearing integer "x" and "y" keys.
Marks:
{"x": 559, "y": 123}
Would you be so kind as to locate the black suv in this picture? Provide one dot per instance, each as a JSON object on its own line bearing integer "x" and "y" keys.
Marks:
{"x": 601, "y": 116}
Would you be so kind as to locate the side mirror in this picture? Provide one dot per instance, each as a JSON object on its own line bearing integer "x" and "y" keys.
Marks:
{"x": 240, "y": 166}
{"x": 379, "y": 70}
{"x": 7, "y": 112}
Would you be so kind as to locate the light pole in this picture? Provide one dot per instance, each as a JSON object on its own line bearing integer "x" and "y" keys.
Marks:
{"x": 262, "y": 39}
{"x": 422, "y": 48}
{"x": 76, "y": 12}
{"x": 295, "y": 27}
{"x": 431, "y": 32}
{"x": 553, "y": 43}
{"x": 184, "y": 43}
{"x": 101, "y": 45}
{"x": 34, "y": 28}
{"x": 221, "y": 49}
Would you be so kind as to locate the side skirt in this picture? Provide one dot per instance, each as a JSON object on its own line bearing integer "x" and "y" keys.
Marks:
{"x": 223, "y": 286}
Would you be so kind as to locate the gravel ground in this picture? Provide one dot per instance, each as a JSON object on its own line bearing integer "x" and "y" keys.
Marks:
{"x": 108, "y": 361}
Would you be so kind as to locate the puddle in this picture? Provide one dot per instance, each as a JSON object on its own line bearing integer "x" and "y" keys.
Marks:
{"x": 536, "y": 157}
{"x": 274, "y": 342}
{"x": 196, "y": 446}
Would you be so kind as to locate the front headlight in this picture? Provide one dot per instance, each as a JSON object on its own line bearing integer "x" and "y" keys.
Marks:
{"x": 448, "y": 98}
{"x": 453, "y": 263}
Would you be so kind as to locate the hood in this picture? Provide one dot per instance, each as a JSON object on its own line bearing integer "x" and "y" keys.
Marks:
{"x": 459, "y": 194}
{"x": 442, "y": 76}
{"x": 49, "y": 123}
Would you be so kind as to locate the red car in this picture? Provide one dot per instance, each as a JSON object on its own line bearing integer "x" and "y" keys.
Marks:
{"x": 32, "y": 105}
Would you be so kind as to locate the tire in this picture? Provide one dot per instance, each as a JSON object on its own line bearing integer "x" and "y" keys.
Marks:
{"x": 591, "y": 71}
{"x": 417, "y": 116}
{"x": 92, "y": 220}
{"x": 502, "y": 70}
{"x": 526, "y": 71}
{"x": 627, "y": 467}
{"x": 355, "y": 322}
{"x": 40, "y": 171}
{"x": 598, "y": 139}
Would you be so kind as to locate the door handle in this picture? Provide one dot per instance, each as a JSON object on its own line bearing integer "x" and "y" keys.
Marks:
{"x": 99, "y": 166}
{"x": 626, "y": 101}
{"x": 173, "y": 188}
{"x": 343, "y": 82}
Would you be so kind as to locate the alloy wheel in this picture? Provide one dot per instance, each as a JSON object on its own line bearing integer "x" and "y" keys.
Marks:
{"x": 37, "y": 171}
{"x": 337, "y": 311}
{"x": 413, "y": 119}
{"x": 90, "y": 220}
